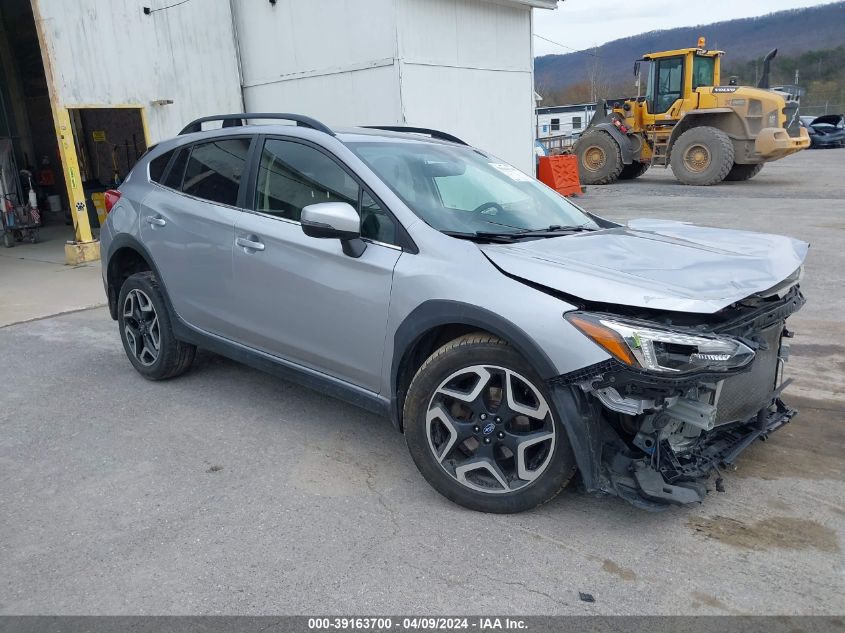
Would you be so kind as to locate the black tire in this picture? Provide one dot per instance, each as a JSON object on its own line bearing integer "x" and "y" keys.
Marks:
{"x": 174, "y": 357}
{"x": 702, "y": 156}
{"x": 599, "y": 159}
{"x": 634, "y": 170}
{"x": 469, "y": 351}
{"x": 743, "y": 172}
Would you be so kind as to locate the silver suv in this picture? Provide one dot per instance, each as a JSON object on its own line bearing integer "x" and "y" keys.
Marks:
{"x": 514, "y": 338}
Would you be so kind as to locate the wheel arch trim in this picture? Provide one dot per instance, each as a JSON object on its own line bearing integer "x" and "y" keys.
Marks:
{"x": 437, "y": 313}
{"x": 125, "y": 241}
{"x": 625, "y": 147}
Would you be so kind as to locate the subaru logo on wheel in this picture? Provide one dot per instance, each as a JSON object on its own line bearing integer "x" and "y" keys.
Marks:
{"x": 488, "y": 428}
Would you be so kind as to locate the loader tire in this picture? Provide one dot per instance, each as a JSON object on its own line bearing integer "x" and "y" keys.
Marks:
{"x": 634, "y": 170}
{"x": 702, "y": 156}
{"x": 743, "y": 172}
{"x": 599, "y": 159}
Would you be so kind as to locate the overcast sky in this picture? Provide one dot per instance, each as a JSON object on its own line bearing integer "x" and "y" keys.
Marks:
{"x": 581, "y": 24}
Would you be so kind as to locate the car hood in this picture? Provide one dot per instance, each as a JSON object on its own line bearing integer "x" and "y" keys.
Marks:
{"x": 656, "y": 264}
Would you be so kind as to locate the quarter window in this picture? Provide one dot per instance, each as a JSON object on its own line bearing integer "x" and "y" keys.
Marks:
{"x": 158, "y": 165}
{"x": 177, "y": 169}
{"x": 214, "y": 170}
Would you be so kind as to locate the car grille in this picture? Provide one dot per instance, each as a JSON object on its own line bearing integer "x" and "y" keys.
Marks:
{"x": 743, "y": 395}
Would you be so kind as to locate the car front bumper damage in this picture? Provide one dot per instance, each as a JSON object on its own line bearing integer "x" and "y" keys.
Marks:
{"x": 656, "y": 441}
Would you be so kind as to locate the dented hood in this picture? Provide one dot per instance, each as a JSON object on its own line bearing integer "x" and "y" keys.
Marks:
{"x": 656, "y": 264}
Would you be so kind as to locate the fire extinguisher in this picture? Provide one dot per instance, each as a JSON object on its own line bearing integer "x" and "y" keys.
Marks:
{"x": 33, "y": 198}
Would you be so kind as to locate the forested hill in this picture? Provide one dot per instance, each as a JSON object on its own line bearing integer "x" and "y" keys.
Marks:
{"x": 570, "y": 77}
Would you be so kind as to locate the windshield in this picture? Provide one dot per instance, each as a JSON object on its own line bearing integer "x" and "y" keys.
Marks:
{"x": 460, "y": 189}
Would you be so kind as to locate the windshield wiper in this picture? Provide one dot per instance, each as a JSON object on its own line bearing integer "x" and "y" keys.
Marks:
{"x": 510, "y": 236}
{"x": 484, "y": 236}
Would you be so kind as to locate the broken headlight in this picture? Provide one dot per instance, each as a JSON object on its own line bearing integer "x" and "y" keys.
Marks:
{"x": 654, "y": 348}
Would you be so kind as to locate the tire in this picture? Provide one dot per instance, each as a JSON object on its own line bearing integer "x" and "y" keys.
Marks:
{"x": 483, "y": 429}
{"x": 634, "y": 170}
{"x": 599, "y": 159}
{"x": 143, "y": 319}
{"x": 702, "y": 156}
{"x": 743, "y": 172}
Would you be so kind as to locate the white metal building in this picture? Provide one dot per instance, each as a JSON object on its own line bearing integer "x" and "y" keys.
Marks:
{"x": 565, "y": 120}
{"x": 121, "y": 75}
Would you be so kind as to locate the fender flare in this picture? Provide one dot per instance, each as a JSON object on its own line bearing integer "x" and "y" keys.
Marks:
{"x": 439, "y": 312}
{"x": 124, "y": 240}
{"x": 624, "y": 143}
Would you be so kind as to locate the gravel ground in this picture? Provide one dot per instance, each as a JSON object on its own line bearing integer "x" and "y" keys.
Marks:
{"x": 230, "y": 491}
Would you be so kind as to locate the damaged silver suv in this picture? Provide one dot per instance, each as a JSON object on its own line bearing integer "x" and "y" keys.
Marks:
{"x": 512, "y": 337}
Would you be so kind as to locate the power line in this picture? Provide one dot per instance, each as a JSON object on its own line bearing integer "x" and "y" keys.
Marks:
{"x": 574, "y": 50}
{"x": 148, "y": 11}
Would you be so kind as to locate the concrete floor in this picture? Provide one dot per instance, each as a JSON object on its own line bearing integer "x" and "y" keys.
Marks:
{"x": 35, "y": 282}
{"x": 230, "y": 491}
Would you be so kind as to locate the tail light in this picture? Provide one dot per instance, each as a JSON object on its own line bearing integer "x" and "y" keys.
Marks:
{"x": 110, "y": 198}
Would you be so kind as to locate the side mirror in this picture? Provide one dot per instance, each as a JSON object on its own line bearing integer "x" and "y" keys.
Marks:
{"x": 334, "y": 220}
{"x": 636, "y": 69}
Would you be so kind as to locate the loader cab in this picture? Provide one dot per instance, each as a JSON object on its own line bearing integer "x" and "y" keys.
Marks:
{"x": 673, "y": 79}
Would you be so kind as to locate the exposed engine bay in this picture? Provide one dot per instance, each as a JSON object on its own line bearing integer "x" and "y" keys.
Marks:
{"x": 663, "y": 435}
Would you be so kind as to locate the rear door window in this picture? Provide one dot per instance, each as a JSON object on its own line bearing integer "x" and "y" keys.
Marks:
{"x": 214, "y": 170}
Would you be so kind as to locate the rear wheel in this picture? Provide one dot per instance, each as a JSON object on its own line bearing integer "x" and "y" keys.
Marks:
{"x": 743, "y": 172}
{"x": 702, "y": 156}
{"x": 634, "y": 170}
{"x": 481, "y": 430}
{"x": 599, "y": 159}
{"x": 146, "y": 331}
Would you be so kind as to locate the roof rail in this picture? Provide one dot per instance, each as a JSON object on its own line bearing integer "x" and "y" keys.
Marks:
{"x": 235, "y": 120}
{"x": 443, "y": 136}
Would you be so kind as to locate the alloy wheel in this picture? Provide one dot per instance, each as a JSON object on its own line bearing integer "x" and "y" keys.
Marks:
{"x": 490, "y": 429}
{"x": 141, "y": 327}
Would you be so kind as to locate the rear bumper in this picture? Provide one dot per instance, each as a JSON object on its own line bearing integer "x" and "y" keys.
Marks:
{"x": 773, "y": 143}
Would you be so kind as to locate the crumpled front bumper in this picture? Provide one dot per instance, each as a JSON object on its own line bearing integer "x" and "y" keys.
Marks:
{"x": 773, "y": 143}
{"x": 666, "y": 478}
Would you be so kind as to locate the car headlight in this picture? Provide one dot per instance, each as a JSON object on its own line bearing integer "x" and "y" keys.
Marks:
{"x": 662, "y": 350}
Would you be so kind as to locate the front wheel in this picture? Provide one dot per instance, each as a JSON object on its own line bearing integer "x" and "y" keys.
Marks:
{"x": 599, "y": 158}
{"x": 480, "y": 428}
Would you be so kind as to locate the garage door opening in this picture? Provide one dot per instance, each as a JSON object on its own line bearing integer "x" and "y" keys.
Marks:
{"x": 70, "y": 153}
{"x": 108, "y": 142}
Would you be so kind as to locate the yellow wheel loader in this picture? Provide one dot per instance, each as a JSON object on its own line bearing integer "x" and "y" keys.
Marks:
{"x": 705, "y": 132}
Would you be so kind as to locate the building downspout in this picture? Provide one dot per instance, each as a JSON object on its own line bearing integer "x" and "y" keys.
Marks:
{"x": 237, "y": 43}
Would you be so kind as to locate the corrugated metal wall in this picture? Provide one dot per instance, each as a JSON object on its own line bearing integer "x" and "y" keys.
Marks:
{"x": 331, "y": 59}
{"x": 109, "y": 53}
{"x": 464, "y": 66}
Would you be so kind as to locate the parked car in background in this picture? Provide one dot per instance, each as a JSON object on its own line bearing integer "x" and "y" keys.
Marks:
{"x": 825, "y": 131}
{"x": 512, "y": 337}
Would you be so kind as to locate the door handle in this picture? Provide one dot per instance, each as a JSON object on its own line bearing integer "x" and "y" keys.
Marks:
{"x": 155, "y": 220}
{"x": 252, "y": 244}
